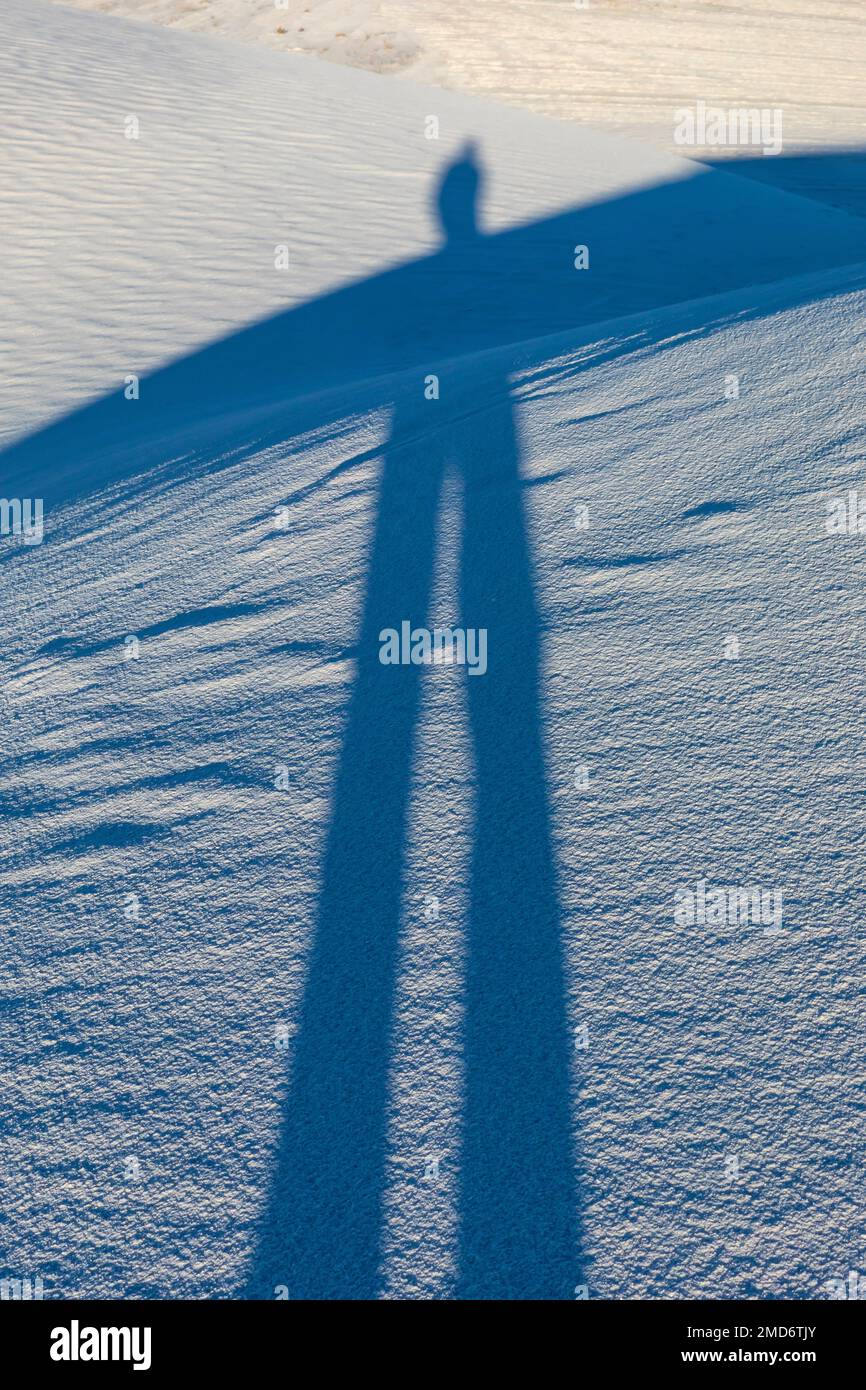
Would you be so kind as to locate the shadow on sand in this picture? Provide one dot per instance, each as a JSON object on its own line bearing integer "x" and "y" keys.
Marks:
{"x": 321, "y": 1229}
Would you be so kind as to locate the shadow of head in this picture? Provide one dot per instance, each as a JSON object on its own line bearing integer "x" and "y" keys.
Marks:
{"x": 457, "y": 197}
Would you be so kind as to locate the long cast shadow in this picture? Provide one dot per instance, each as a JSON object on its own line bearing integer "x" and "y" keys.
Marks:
{"x": 320, "y": 1233}
{"x": 705, "y": 233}
{"x": 518, "y": 1209}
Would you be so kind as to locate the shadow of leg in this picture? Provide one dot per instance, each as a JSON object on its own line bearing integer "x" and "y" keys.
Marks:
{"x": 518, "y": 1211}
{"x": 322, "y": 1232}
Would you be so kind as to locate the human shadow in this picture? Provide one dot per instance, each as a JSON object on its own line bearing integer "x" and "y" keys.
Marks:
{"x": 321, "y": 1235}
{"x": 707, "y": 232}
{"x": 518, "y": 1207}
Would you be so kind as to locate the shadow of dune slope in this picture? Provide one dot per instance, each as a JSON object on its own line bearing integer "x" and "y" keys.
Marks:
{"x": 519, "y": 1236}
{"x": 707, "y": 233}
{"x": 835, "y": 177}
{"x": 519, "y": 1226}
